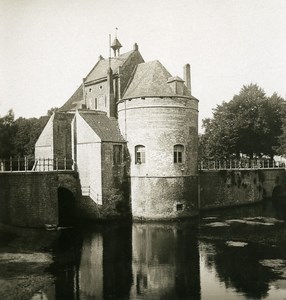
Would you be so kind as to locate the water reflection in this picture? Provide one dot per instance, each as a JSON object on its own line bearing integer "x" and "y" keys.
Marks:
{"x": 174, "y": 261}
{"x": 105, "y": 267}
{"x": 165, "y": 262}
{"x": 239, "y": 268}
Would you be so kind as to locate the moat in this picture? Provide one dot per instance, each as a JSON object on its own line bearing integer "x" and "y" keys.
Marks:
{"x": 237, "y": 253}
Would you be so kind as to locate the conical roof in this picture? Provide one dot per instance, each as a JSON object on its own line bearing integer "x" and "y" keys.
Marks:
{"x": 116, "y": 44}
{"x": 151, "y": 80}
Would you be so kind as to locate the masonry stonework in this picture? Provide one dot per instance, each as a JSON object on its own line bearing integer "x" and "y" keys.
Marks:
{"x": 161, "y": 188}
{"x": 30, "y": 199}
{"x": 237, "y": 187}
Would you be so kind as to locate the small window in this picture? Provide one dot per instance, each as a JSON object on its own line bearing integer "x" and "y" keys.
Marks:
{"x": 90, "y": 90}
{"x": 139, "y": 154}
{"x": 179, "y": 206}
{"x": 117, "y": 155}
{"x": 178, "y": 154}
{"x": 95, "y": 103}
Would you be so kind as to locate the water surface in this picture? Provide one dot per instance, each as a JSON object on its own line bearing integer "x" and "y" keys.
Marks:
{"x": 237, "y": 253}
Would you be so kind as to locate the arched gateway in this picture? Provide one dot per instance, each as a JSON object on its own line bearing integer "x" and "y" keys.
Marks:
{"x": 66, "y": 207}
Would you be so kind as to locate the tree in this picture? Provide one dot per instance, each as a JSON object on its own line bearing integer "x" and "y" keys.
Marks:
{"x": 249, "y": 124}
{"x": 18, "y": 137}
{"x": 52, "y": 110}
{"x": 7, "y": 131}
{"x": 26, "y": 135}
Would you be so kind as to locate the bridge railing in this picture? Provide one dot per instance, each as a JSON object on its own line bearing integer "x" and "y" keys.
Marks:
{"x": 89, "y": 191}
{"x": 240, "y": 164}
{"x": 36, "y": 164}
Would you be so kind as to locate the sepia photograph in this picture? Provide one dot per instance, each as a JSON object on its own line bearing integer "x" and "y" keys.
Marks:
{"x": 143, "y": 150}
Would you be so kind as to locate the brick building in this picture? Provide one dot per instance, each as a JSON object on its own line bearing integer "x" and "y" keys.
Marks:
{"x": 132, "y": 129}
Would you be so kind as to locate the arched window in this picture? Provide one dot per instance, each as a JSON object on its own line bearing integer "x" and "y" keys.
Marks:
{"x": 139, "y": 154}
{"x": 178, "y": 154}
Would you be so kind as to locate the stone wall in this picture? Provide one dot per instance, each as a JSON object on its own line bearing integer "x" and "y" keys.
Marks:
{"x": 96, "y": 96}
{"x": 164, "y": 198}
{"x": 158, "y": 124}
{"x": 273, "y": 178}
{"x": 88, "y": 149}
{"x": 62, "y": 135}
{"x": 115, "y": 183}
{"x": 237, "y": 187}
{"x": 30, "y": 199}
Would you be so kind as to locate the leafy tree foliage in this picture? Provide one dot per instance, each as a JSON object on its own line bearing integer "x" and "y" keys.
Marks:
{"x": 7, "y": 131}
{"x": 249, "y": 124}
{"x": 18, "y": 137}
{"x": 52, "y": 110}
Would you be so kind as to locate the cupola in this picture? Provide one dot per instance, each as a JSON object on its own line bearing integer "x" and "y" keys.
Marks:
{"x": 116, "y": 46}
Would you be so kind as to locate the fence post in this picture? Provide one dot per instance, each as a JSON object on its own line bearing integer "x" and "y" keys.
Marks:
{"x": 25, "y": 163}
{"x": 65, "y": 163}
{"x": 10, "y": 163}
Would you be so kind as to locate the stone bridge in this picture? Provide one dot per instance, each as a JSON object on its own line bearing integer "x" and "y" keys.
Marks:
{"x": 33, "y": 199}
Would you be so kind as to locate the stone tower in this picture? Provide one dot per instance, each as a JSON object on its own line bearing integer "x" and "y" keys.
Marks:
{"x": 158, "y": 117}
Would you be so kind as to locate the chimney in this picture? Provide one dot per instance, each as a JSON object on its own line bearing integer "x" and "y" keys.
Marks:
{"x": 187, "y": 76}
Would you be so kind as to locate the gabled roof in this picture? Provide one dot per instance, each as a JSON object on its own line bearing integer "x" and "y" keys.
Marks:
{"x": 106, "y": 128}
{"x": 74, "y": 101}
{"x": 100, "y": 69}
{"x": 151, "y": 80}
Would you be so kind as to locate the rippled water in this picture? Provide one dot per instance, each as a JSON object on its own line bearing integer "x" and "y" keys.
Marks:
{"x": 237, "y": 253}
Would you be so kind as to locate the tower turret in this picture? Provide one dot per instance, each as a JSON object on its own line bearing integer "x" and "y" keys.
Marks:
{"x": 116, "y": 45}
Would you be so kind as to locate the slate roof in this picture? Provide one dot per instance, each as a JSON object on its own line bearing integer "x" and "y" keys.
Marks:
{"x": 74, "y": 101}
{"x": 151, "y": 80}
{"x": 100, "y": 69}
{"x": 106, "y": 128}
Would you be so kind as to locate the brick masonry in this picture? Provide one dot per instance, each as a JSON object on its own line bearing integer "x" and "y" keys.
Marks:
{"x": 232, "y": 187}
{"x": 30, "y": 199}
{"x": 158, "y": 185}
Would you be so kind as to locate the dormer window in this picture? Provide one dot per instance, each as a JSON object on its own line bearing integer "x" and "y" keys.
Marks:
{"x": 178, "y": 154}
{"x": 139, "y": 154}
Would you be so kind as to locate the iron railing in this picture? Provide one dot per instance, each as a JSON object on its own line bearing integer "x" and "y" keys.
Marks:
{"x": 240, "y": 164}
{"x": 36, "y": 164}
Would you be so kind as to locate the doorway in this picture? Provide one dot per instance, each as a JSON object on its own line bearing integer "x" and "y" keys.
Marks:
{"x": 66, "y": 207}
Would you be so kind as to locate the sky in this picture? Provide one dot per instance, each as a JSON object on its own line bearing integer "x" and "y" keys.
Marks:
{"x": 48, "y": 46}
